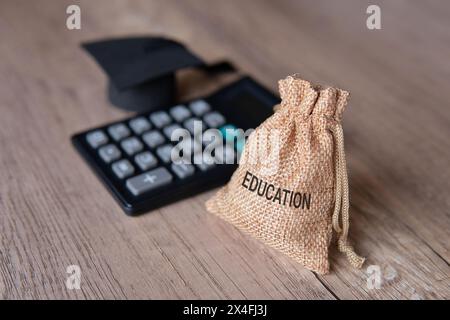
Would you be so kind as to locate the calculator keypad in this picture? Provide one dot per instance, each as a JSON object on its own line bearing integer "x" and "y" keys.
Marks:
{"x": 109, "y": 153}
{"x": 148, "y": 181}
{"x": 206, "y": 162}
{"x": 180, "y": 113}
{"x": 214, "y": 119}
{"x": 140, "y": 125}
{"x": 199, "y": 107}
{"x": 123, "y": 168}
{"x": 96, "y": 138}
{"x": 190, "y": 124}
{"x": 189, "y": 144}
{"x": 225, "y": 155}
{"x": 164, "y": 152}
{"x": 183, "y": 170}
{"x": 119, "y": 131}
{"x": 153, "y": 138}
{"x": 144, "y": 169}
{"x": 131, "y": 145}
{"x": 160, "y": 119}
{"x": 145, "y": 160}
{"x": 142, "y": 155}
{"x": 170, "y": 129}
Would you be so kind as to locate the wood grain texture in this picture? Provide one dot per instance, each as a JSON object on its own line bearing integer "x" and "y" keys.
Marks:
{"x": 54, "y": 212}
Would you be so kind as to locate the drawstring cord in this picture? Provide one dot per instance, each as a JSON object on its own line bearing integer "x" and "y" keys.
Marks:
{"x": 341, "y": 208}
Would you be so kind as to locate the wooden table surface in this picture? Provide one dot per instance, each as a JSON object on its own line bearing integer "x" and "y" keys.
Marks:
{"x": 55, "y": 213}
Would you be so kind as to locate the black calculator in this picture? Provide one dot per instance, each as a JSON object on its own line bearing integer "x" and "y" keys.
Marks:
{"x": 132, "y": 157}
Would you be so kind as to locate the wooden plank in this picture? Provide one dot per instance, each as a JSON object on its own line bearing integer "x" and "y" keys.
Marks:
{"x": 49, "y": 222}
{"x": 397, "y": 129}
{"x": 386, "y": 164}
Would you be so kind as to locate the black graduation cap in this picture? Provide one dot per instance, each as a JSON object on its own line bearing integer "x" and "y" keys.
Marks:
{"x": 141, "y": 70}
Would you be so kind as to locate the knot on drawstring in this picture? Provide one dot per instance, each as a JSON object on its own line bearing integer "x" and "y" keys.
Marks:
{"x": 341, "y": 208}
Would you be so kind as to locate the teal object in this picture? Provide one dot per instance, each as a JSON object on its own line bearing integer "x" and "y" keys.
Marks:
{"x": 240, "y": 144}
{"x": 228, "y": 131}
{"x": 232, "y": 133}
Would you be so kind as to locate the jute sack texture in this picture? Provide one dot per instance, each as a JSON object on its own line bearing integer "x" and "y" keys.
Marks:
{"x": 292, "y": 201}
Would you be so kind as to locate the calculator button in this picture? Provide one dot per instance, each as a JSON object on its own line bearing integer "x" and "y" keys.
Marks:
{"x": 170, "y": 129}
{"x": 96, "y": 138}
{"x": 214, "y": 119}
{"x": 119, "y": 131}
{"x": 153, "y": 138}
{"x": 180, "y": 113}
{"x": 183, "y": 170}
{"x": 226, "y": 156}
{"x": 145, "y": 160}
{"x": 131, "y": 145}
{"x": 230, "y": 132}
{"x": 205, "y": 162}
{"x": 233, "y": 134}
{"x": 149, "y": 181}
{"x": 164, "y": 152}
{"x": 212, "y": 137}
{"x": 200, "y": 107}
{"x": 109, "y": 153}
{"x": 204, "y": 166}
{"x": 140, "y": 125}
{"x": 160, "y": 119}
{"x": 190, "y": 144}
{"x": 123, "y": 168}
{"x": 194, "y": 123}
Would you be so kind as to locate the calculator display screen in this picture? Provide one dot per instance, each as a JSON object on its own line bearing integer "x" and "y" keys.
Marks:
{"x": 251, "y": 108}
{"x": 246, "y": 104}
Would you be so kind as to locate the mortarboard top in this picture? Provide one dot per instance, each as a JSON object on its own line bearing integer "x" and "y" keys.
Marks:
{"x": 141, "y": 70}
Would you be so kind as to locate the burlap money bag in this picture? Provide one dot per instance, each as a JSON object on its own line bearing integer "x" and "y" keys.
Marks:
{"x": 295, "y": 207}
